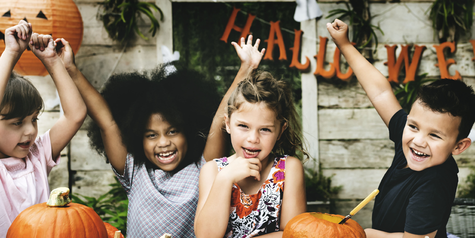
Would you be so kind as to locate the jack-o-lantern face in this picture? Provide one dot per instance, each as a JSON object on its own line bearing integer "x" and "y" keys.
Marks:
{"x": 59, "y": 18}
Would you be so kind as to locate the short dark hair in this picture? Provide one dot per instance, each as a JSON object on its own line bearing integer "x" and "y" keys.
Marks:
{"x": 453, "y": 97}
{"x": 20, "y": 99}
{"x": 183, "y": 98}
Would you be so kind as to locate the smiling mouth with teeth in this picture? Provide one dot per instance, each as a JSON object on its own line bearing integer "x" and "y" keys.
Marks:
{"x": 420, "y": 154}
{"x": 251, "y": 152}
{"x": 167, "y": 156}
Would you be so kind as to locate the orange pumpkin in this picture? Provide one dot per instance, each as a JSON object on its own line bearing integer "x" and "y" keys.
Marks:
{"x": 58, "y": 221}
{"x": 60, "y": 18}
{"x": 322, "y": 225}
{"x": 111, "y": 230}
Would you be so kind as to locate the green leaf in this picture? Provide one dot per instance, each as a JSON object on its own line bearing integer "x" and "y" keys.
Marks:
{"x": 136, "y": 29}
{"x": 154, "y": 26}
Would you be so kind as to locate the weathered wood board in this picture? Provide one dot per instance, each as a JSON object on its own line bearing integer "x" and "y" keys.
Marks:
{"x": 92, "y": 183}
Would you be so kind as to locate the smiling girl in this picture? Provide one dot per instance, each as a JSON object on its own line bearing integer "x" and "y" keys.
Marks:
{"x": 25, "y": 159}
{"x": 151, "y": 128}
{"x": 265, "y": 135}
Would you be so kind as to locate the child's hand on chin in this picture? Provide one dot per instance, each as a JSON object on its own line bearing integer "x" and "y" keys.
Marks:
{"x": 44, "y": 48}
{"x": 17, "y": 37}
{"x": 240, "y": 168}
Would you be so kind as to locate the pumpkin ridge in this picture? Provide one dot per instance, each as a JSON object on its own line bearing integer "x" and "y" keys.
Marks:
{"x": 40, "y": 214}
{"x": 87, "y": 220}
{"x": 306, "y": 222}
{"x": 27, "y": 228}
{"x": 97, "y": 222}
{"x": 78, "y": 225}
{"x": 61, "y": 220}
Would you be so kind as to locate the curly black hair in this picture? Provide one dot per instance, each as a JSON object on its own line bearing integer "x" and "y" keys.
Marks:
{"x": 184, "y": 99}
{"x": 453, "y": 97}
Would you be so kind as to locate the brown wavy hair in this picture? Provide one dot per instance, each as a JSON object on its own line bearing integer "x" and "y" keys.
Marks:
{"x": 261, "y": 86}
{"x": 21, "y": 98}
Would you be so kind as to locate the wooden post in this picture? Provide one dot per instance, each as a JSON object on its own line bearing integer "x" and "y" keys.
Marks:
{"x": 165, "y": 32}
{"x": 310, "y": 92}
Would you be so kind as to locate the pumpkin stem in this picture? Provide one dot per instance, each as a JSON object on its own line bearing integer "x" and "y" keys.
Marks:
{"x": 59, "y": 197}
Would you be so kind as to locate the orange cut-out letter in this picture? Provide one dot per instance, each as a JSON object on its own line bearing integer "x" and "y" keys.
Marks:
{"x": 328, "y": 74}
{"x": 296, "y": 49}
{"x": 231, "y": 26}
{"x": 275, "y": 30}
{"x": 445, "y": 64}
{"x": 410, "y": 68}
{"x": 336, "y": 62}
{"x": 416, "y": 60}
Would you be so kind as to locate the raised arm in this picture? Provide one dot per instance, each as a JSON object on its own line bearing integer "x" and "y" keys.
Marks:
{"x": 212, "y": 212}
{"x": 374, "y": 83}
{"x": 16, "y": 41}
{"x": 73, "y": 106}
{"x": 250, "y": 58}
{"x": 294, "y": 201}
{"x": 98, "y": 110}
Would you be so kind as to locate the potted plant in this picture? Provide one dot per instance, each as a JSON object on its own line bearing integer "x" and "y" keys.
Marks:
{"x": 120, "y": 18}
{"x": 468, "y": 190}
{"x": 319, "y": 190}
{"x": 363, "y": 33}
{"x": 451, "y": 18}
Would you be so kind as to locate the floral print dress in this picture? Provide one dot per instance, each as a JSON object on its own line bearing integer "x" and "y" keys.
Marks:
{"x": 256, "y": 214}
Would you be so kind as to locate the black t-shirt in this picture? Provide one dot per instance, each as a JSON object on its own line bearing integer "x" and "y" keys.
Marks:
{"x": 418, "y": 202}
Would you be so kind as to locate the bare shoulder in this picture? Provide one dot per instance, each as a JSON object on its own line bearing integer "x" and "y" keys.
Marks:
{"x": 210, "y": 165}
{"x": 293, "y": 163}
{"x": 293, "y": 167}
{"x": 209, "y": 169}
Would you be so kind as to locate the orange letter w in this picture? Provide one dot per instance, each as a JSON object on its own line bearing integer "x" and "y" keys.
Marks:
{"x": 394, "y": 68}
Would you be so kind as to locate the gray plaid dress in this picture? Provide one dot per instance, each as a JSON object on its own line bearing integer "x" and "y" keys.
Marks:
{"x": 158, "y": 202}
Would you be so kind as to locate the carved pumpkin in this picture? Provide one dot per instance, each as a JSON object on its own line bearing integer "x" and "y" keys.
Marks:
{"x": 58, "y": 219}
{"x": 322, "y": 225}
{"x": 59, "y": 18}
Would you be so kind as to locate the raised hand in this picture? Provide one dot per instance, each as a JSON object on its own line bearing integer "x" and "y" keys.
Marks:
{"x": 44, "y": 47}
{"x": 65, "y": 53}
{"x": 241, "y": 168}
{"x": 249, "y": 54}
{"x": 339, "y": 32}
{"x": 17, "y": 37}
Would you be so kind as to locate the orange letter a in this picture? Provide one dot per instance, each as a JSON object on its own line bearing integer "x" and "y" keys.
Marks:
{"x": 275, "y": 30}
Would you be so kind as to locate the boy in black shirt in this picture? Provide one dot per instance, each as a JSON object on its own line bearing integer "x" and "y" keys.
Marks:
{"x": 417, "y": 191}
